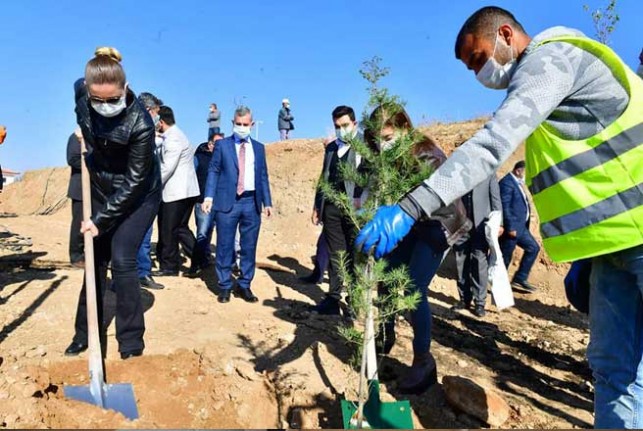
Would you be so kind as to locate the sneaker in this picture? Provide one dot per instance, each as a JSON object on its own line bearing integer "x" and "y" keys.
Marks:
{"x": 479, "y": 311}
{"x": 328, "y": 307}
{"x": 524, "y": 285}
{"x": 149, "y": 283}
{"x": 460, "y": 305}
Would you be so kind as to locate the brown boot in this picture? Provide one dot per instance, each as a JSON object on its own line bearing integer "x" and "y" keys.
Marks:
{"x": 421, "y": 376}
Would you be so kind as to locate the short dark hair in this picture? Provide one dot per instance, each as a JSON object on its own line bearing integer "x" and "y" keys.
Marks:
{"x": 342, "y": 110}
{"x": 484, "y": 22}
{"x": 519, "y": 165}
{"x": 167, "y": 115}
{"x": 149, "y": 100}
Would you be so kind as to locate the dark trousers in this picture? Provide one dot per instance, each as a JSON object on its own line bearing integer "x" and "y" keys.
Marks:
{"x": 204, "y": 227}
{"x": 245, "y": 216}
{"x": 174, "y": 230}
{"x": 322, "y": 256}
{"x": 340, "y": 233}
{"x": 526, "y": 241}
{"x": 120, "y": 246}
{"x": 422, "y": 262}
{"x": 471, "y": 254}
{"x": 76, "y": 242}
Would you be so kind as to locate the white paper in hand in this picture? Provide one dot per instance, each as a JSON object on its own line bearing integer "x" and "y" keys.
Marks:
{"x": 501, "y": 291}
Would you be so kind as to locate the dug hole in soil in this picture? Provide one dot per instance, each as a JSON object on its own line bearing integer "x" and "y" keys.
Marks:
{"x": 239, "y": 365}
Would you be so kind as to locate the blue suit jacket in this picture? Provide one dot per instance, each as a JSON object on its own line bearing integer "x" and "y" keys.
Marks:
{"x": 514, "y": 207}
{"x": 223, "y": 174}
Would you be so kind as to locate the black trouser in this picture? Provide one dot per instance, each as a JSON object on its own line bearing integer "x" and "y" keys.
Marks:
{"x": 120, "y": 246}
{"x": 471, "y": 254}
{"x": 340, "y": 234}
{"x": 174, "y": 230}
{"x": 76, "y": 242}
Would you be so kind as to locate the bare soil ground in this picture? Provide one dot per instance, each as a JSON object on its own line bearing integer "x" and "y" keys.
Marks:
{"x": 239, "y": 365}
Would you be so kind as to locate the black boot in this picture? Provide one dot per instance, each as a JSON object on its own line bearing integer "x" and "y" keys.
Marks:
{"x": 421, "y": 376}
{"x": 314, "y": 278}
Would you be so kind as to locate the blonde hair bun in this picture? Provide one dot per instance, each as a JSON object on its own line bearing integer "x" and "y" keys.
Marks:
{"x": 110, "y": 52}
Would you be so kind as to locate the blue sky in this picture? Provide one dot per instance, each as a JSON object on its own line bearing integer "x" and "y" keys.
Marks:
{"x": 191, "y": 53}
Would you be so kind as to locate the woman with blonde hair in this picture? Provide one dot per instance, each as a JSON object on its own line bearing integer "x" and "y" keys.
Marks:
{"x": 126, "y": 191}
{"x": 422, "y": 250}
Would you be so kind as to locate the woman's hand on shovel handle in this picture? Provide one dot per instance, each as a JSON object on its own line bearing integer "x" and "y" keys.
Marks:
{"x": 89, "y": 226}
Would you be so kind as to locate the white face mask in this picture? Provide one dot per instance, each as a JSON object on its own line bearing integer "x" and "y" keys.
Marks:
{"x": 241, "y": 131}
{"x": 109, "y": 109}
{"x": 494, "y": 75}
{"x": 345, "y": 133}
{"x": 388, "y": 144}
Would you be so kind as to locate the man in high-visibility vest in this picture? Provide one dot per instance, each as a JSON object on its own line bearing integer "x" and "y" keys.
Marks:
{"x": 580, "y": 110}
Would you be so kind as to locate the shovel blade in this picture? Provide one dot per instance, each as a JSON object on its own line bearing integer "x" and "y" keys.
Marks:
{"x": 379, "y": 415}
{"x": 118, "y": 397}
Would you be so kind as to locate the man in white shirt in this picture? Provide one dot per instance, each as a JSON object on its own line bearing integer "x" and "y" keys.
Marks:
{"x": 180, "y": 191}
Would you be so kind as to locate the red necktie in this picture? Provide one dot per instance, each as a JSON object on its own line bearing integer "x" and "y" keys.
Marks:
{"x": 242, "y": 167}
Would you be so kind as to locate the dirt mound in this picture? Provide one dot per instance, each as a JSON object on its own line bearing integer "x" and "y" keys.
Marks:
{"x": 43, "y": 192}
{"x": 184, "y": 389}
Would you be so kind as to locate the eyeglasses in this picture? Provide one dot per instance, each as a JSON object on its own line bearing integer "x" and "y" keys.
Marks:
{"x": 110, "y": 100}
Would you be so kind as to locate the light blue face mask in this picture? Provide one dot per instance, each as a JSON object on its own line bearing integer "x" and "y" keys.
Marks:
{"x": 241, "y": 131}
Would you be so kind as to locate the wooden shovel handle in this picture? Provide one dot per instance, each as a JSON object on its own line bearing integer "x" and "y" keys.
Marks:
{"x": 95, "y": 355}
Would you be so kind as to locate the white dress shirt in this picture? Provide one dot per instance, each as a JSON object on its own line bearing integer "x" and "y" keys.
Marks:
{"x": 249, "y": 176}
{"x": 522, "y": 192}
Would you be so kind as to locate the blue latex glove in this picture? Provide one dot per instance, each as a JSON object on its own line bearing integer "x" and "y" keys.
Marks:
{"x": 387, "y": 228}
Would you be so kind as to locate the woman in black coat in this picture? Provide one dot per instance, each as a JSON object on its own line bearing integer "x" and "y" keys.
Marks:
{"x": 126, "y": 191}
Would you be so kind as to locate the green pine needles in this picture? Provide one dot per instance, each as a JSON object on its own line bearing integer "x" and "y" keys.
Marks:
{"x": 386, "y": 176}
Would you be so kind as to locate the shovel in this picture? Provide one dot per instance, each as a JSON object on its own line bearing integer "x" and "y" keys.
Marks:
{"x": 370, "y": 412}
{"x": 119, "y": 397}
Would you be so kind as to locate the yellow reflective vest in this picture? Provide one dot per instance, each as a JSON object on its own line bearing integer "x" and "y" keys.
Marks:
{"x": 589, "y": 192}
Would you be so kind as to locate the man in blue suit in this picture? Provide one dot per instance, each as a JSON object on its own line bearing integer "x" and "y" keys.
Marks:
{"x": 237, "y": 189}
{"x": 516, "y": 214}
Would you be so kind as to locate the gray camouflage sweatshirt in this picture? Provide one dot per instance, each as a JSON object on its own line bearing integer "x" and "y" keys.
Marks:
{"x": 557, "y": 83}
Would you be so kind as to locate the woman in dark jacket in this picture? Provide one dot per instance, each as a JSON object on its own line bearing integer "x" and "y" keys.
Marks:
{"x": 126, "y": 191}
{"x": 421, "y": 251}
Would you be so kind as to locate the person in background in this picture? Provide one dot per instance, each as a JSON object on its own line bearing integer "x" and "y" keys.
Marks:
{"x": 75, "y": 193}
{"x": 285, "y": 120}
{"x": 214, "y": 121}
{"x": 237, "y": 189}
{"x": 472, "y": 250}
{"x": 126, "y": 191}
{"x": 152, "y": 104}
{"x": 180, "y": 192}
{"x": 337, "y": 227}
{"x": 204, "y": 221}
{"x": 3, "y": 135}
{"x": 639, "y": 71}
{"x": 516, "y": 214}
